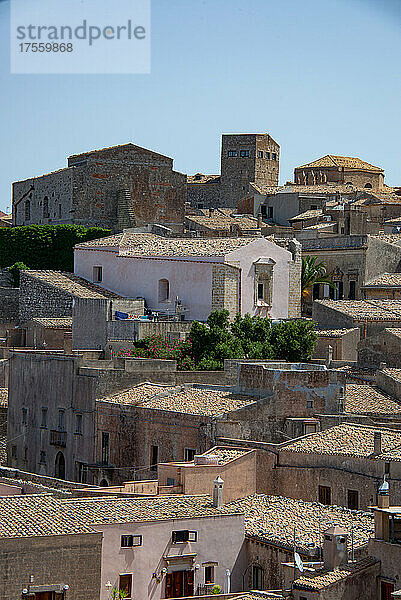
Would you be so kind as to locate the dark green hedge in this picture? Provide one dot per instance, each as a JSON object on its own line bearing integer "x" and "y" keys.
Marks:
{"x": 44, "y": 246}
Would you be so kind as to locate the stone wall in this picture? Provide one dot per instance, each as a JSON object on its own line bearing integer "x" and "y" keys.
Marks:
{"x": 39, "y": 299}
{"x": 384, "y": 347}
{"x": 203, "y": 195}
{"x": 117, "y": 187}
{"x": 52, "y": 560}
{"x": 225, "y": 289}
{"x": 9, "y": 305}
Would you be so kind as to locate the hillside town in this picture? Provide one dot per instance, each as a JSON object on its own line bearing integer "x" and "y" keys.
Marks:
{"x": 200, "y": 379}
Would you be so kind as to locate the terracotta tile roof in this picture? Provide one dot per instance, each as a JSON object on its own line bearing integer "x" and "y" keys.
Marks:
{"x": 201, "y": 178}
{"x": 385, "y": 280}
{"x": 321, "y": 225}
{"x": 394, "y": 373}
{"x": 253, "y": 595}
{"x": 395, "y": 221}
{"x": 272, "y": 519}
{"x": 322, "y": 579}
{"x": 347, "y": 162}
{"x": 365, "y": 399}
{"x": 54, "y": 323}
{"x": 3, "y": 397}
{"x": 329, "y": 188}
{"x": 144, "y": 244}
{"x": 366, "y": 310}
{"x": 221, "y": 221}
{"x": 226, "y": 454}
{"x": 347, "y": 439}
{"x": 308, "y": 214}
{"x": 98, "y": 511}
{"x": 389, "y": 238}
{"x": 333, "y": 333}
{"x": 187, "y": 400}
{"x": 37, "y": 515}
{"x": 72, "y": 284}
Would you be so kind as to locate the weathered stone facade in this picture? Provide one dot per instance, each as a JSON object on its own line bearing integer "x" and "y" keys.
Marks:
{"x": 340, "y": 169}
{"x": 51, "y": 560}
{"x": 118, "y": 187}
{"x": 245, "y": 158}
{"x": 226, "y": 289}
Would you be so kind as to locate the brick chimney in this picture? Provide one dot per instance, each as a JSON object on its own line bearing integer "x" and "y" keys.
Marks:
{"x": 218, "y": 492}
{"x": 377, "y": 443}
{"x": 335, "y": 548}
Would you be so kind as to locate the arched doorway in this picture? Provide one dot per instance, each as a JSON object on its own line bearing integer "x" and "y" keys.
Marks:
{"x": 104, "y": 483}
{"x": 59, "y": 470}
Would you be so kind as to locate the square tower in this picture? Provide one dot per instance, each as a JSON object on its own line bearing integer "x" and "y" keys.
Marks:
{"x": 247, "y": 158}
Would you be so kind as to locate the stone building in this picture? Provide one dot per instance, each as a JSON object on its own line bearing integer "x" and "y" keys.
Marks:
{"x": 340, "y": 169}
{"x": 385, "y": 347}
{"x": 343, "y": 343}
{"x": 43, "y": 550}
{"x": 89, "y": 420}
{"x": 371, "y": 316}
{"x": 117, "y": 187}
{"x": 192, "y": 277}
{"x": 221, "y": 222}
{"x": 385, "y": 286}
{"x": 351, "y": 261}
{"x": 245, "y": 158}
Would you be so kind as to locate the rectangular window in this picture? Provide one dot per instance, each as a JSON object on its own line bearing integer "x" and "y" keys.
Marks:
{"x": 244, "y": 153}
{"x": 209, "y": 574}
{"x": 316, "y": 291}
{"x": 324, "y": 495}
{"x": 261, "y": 291}
{"x": 353, "y": 499}
{"x": 170, "y": 481}
{"x": 97, "y": 274}
{"x": 267, "y": 155}
{"x": 183, "y": 535}
{"x": 105, "y": 447}
{"x": 340, "y": 290}
{"x": 26, "y": 453}
{"x": 352, "y": 287}
{"x": 274, "y": 156}
{"x": 270, "y": 212}
{"x": 189, "y": 454}
{"x": 13, "y": 451}
{"x": 61, "y": 420}
{"x": 43, "y": 422}
{"x": 154, "y": 457}
{"x": 387, "y": 468}
{"x": 24, "y": 416}
{"x": 78, "y": 423}
{"x": 232, "y": 153}
{"x": 263, "y": 210}
{"x": 125, "y": 585}
{"x": 42, "y": 458}
{"x": 129, "y": 541}
{"x": 313, "y": 206}
{"x": 309, "y": 404}
{"x": 260, "y": 153}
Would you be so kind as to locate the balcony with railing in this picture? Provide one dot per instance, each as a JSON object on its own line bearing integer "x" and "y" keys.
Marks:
{"x": 58, "y": 438}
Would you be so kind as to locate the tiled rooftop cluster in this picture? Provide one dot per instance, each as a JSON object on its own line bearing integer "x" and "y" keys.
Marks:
{"x": 322, "y": 578}
{"x": 348, "y": 162}
{"x": 272, "y": 519}
{"x": 367, "y": 310}
{"x": 195, "y": 401}
{"x": 142, "y": 244}
{"x": 394, "y": 373}
{"x": 226, "y": 454}
{"x": 384, "y": 280}
{"x": 347, "y": 439}
{"x": 54, "y": 323}
{"x": 308, "y": 214}
{"x": 332, "y": 333}
{"x": 223, "y": 220}
{"x": 74, "y": 285}
{"x": 201, "y": 178}
{"x": 365, "y": 399}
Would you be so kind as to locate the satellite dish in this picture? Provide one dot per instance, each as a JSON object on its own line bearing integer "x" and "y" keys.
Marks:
{"x": 298, "y": 562}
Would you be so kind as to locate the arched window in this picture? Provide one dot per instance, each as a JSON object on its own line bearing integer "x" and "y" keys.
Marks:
{"x": 59, "y": 470}
{"x": 164, "y": 290}
{"x": 46, "y": 214}
{"x": 368, "y": 185}
{"x": 257, "y": 577}
{"x": 104, "y": 483}
{"x": 27, "y": 210}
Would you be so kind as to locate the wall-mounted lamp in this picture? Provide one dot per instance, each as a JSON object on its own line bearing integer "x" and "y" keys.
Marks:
{"x": 197, "y": 567}
{"x": 24, "y": 591}
{"x": 66, "y": 587}
{"x": 156, "y": 577}
{"x": 108, "y": 585}
{"x": 164, "y": 570}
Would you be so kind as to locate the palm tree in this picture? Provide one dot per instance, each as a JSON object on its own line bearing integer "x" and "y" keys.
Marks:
{"x": 312, "y": 273}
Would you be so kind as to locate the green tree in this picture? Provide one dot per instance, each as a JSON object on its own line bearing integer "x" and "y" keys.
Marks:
{"x": 313, "y": 272}
{"x": 15, "y": 271}
{"x": 293, "y": 341}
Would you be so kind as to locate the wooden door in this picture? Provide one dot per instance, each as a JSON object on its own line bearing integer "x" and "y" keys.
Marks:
{"x": 188, "y": 583}
{"x": 385, "y": 590}
{"x": 179, "y": 584}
